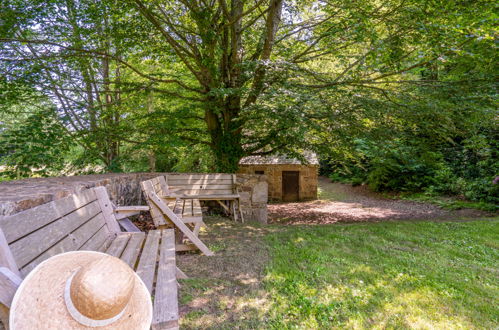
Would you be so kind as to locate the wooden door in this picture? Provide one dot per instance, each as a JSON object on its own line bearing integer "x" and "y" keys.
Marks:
{"x": 290, "y": 186}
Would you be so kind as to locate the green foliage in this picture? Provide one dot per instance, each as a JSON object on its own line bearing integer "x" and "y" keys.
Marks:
{"x": 199, "y": 86}
{"x": 450, "y": 203}
{"x": 33, "y": 146}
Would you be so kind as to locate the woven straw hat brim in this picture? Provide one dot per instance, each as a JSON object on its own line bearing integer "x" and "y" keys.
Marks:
{"x": 39, "y": 301}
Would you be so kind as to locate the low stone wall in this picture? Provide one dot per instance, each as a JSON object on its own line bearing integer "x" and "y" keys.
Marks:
{"x": 253, "y": 190}
{"x": 123, "y": 188}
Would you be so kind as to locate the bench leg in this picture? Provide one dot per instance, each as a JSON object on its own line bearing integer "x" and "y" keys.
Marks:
{"x": 239, "y": 210}
{"x": 197, "y": 227}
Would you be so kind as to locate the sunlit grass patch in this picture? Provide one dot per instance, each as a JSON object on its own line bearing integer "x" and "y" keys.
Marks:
{"x": 395, "y": 275}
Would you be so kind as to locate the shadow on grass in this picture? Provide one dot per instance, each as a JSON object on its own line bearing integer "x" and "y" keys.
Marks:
{"x": 225, "y": 291}
{"x": 383, "y": 275}
{"x": 405, "y": 275}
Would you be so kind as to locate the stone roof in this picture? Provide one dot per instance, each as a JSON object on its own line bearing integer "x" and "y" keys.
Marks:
{"x": 310, "y": 157}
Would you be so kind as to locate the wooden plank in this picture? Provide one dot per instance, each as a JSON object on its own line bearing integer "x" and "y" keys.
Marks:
{"x": 107, "y": 209}
{"x": 235, "y": 185}
{"x": 193, "y": 193}
{"x": 105, "y": 243}
{"x": 99, "y": 241}
{"x": 128, "y": 226}
{"x": 234, "y": 213}
{"x": 206, "y": 196}
{"x": 157, "y": 216}
{"x": 180, "y": 274}
{"x": 147, "y": 263}
{"x": 133, "y": 248}
{"x": 72, "y": 242}
{"x": 238, "y": 201}
{"x": 6, "y": 257}
{"x": 187, "y": 211}
{"x": 131, "y": 208}
{"x": 25, "y": 222}
{"x": 179, "y": 207}
{"x": 165, "y": 308}
{"x": 197, "y": 228}
{"x": 205, "y": 181}
{"x": 179, "y": 224}
{"x": 198, "y": 176}
{"x": 163, "y": 185}
{"x": 124, "y": 215}
{"x": 227, "y": 187}
{"x": 224, "y": 206}
{"x": 196, "y": 208}
{"x": 9, "y": 282}
{"x": 118, "y": 245}
{"x": 121, "y": 212}
{"x": 193, "y": 220}
{"x": 31, "y": 246}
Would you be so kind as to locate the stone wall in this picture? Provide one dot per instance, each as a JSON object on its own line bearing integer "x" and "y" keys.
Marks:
{"x": 253, "y": 190}
{"x": 273, "y": 172}
{"x": 123, "y": 188}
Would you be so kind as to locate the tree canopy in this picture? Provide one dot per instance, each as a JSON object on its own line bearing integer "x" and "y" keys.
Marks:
{"x": 199, "y": 84}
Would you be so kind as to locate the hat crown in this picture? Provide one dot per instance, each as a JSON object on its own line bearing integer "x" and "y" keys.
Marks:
{"x": 101, "y": 289}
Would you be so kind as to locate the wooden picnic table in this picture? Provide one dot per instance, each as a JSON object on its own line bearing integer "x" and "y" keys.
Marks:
{"x": 218, "y": 187}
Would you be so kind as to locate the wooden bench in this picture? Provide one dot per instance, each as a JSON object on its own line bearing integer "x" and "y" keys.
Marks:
{"x": 86, "y": 221}
{"x": 184, "y": 216}
{"x": 218, "y": 187}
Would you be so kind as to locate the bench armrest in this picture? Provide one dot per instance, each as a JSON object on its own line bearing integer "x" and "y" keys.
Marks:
{"x": 9, "y": 282}
{"x": 128, "y": 226}
{"x": 122, "y": 212}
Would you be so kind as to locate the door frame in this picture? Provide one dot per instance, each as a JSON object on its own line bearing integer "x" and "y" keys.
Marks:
{"x": 297, "y": 186}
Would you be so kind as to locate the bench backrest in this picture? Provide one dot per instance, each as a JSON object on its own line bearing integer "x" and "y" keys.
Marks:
{"x": 83, "y": 221}
{"x": 206, "y": 184}
{"x": 157, "y": 186}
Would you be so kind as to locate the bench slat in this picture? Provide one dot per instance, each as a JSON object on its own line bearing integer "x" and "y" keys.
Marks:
{"x": 165, "y": 309}
{"x": 187, "y": 211}
{"x": 204, "y": 192}
{"x": 133, "y": 248}
{"x": 178, "y": 208}
{"x": 118, "y": 245}
{"x": 201, "y": 186}
{"x": 31, "y": 246}
{"x": 23, "y": 223}
{"x": 147, "y": 262}
{"x": 105, "y": 243}
{"x": 183, "y": 176}
{"x": 196, "y": 208}
{"x": 204, "y": 196}
{"x": 173, "y": 181}
{"x": 71, "y": 242}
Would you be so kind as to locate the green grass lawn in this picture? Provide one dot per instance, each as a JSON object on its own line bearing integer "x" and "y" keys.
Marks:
{"x": 422, "y": 275}
{"x": 385, "y": 275}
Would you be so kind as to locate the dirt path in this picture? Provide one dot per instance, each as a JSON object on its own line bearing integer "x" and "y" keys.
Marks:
{"x": 344, "y": 203}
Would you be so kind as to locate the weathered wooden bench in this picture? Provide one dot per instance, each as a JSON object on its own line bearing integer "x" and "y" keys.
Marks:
{"x": 86, "y": 221}
{"x": 216, "y": 187}
{"x": 184, "y": 216}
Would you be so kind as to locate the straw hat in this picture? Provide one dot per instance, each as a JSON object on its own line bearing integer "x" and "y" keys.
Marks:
{"x": 81, "y": 290}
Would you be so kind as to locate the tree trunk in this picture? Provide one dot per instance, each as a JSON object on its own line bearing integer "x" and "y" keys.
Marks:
{"x": 152, "y": 154}
{"x": 225, "y": 135}
{"x": 228, "y": 152}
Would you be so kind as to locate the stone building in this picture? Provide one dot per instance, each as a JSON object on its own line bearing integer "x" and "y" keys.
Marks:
{"x": 289, "y": 179}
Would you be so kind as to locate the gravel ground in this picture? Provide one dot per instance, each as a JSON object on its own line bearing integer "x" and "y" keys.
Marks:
{"x": 344, "y": 203}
